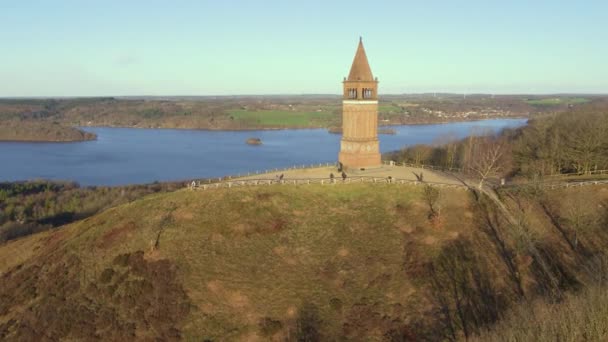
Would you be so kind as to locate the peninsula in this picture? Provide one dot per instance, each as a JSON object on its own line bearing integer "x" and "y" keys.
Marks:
{"x": 40, "y": 131}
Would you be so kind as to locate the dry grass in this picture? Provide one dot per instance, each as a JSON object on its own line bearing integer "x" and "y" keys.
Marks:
{"x": 357, "y": 256}
{"x": 582, "y": 317}
{"x": 249, "y": 254}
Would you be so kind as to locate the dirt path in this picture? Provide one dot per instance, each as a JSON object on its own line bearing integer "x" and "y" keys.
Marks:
{"x": 396, "y": 172}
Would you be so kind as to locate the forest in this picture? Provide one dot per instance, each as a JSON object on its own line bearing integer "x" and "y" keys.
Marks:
{"x": 34, "y": 206}
{"x": 569, "y": 142}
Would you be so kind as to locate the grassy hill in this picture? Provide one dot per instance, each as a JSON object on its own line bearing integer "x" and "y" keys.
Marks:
{"x": 356, "y": 262}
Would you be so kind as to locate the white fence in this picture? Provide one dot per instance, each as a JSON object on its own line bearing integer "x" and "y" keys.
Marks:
{"x": 234, "y": 181}
{"x": 277, "y": 170}
{"x": 422, "y": 166}
{"x": 561, "y": 185}
{"x": 322, "y": 181}
{"x": 574, "y": 174}
{"x": 299, "y": 167}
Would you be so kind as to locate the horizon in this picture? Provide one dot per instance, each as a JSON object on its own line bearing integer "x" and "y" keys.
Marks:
{"x": 70, "y": 49}
{"x": 298, "y": 94}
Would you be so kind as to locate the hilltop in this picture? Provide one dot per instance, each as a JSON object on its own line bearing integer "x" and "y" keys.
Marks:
{"x": 356, "y": 261}
{"x": 394, "y": 261}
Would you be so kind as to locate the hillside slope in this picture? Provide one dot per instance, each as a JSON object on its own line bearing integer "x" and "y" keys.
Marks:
{"x": 279, "y": 262}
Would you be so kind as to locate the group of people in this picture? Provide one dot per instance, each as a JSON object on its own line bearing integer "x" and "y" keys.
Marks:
{"x": 332, "y": 177}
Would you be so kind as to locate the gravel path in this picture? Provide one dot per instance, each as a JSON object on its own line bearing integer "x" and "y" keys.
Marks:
{"x": 396, "y": 172}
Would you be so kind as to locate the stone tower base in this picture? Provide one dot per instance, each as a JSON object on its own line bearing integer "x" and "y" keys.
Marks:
{"x": 359, "y": 160}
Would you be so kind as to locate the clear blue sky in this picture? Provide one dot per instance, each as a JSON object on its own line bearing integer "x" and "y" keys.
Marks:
{"x": 150, "y": 47}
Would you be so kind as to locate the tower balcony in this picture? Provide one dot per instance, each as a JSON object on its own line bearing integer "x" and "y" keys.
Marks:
{"x": 362, "y": 90}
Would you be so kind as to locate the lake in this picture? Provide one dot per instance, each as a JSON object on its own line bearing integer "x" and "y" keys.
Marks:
{"x": 128, "y": 155}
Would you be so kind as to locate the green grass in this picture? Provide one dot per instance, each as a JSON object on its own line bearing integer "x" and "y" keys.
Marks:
{"x": 281, "y": 118}
{"x": 555, "y": 101}
{"x": 386, "y": 108}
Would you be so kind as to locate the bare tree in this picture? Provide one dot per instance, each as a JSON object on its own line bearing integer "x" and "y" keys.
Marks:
{"x": 581, "y": 215}
{"x": 431, "y": 197}
{"x": 585, "y": 141}
{"x": 487, "y": 156}
{"x": 448, "y": 146}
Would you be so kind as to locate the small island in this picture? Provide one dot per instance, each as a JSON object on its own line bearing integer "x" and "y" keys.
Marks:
{"x": 254, "y": 141}
{"x": 31, "y": 131}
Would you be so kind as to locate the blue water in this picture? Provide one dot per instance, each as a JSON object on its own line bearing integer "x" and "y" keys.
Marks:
{"x": 127, "y": 155}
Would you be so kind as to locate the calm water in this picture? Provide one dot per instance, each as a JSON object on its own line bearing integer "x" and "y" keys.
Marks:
{"x": 126, "y": 155}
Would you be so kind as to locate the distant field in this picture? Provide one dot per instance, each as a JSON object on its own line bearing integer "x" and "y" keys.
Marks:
{"x": 554, "y": 101}
{"x": 282, "y": 118}
{"x": 385, "y": 108}
{"x": 286, "y": 118}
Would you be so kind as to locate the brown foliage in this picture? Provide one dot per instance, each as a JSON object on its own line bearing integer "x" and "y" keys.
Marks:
{"x": 49, "y": 300}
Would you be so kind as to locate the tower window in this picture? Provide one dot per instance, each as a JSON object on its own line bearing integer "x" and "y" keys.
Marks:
{"x": 368, "y": 93}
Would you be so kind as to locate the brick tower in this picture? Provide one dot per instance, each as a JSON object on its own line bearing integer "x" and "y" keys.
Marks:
{"x": 359, "y": 147}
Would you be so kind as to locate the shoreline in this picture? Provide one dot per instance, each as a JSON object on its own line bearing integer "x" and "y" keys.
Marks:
{"x": 45, "y": 141}
{"x": 301, "y": 128}
{"x": 454, "y": 121}
{"x": 29, "y": 141}
{"x": 252, "y": 129}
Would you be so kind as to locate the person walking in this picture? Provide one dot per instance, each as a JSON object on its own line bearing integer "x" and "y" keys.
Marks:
{"x": 343, "y": 176}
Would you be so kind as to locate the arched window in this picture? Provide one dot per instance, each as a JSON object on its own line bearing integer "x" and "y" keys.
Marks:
{"x": 367, "y": 93}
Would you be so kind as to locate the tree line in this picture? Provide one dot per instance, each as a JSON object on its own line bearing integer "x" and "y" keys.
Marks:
{"x": 34, "y": 206}
{"x": 575, "y": 141}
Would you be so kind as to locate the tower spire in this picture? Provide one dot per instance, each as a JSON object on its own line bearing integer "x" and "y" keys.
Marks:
{"x": 360, "y": 70}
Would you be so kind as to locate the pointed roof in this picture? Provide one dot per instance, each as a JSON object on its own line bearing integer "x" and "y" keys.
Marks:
{"x": 360, "y": 71}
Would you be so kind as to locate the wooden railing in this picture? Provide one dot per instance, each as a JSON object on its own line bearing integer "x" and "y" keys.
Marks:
{"x": 574, "y": 174}
{"x": 321, "y": 181}
{"x": 422, "y": 166}
{"x": 276, "y": 170}
{"x": 234, "y": 181}
{"x": 558, "y": 185}
{"x": 211, "y": 180}
{"x": 457, "y": 169}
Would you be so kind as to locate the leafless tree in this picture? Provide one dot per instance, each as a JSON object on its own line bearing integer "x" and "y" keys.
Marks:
{"x": 431, "y": 197}
{"x": 486, "y": 156}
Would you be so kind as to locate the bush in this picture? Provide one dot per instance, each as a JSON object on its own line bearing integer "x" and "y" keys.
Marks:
{"x": 582, "y": 317}
{"x": 34, "y": 206}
